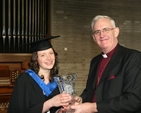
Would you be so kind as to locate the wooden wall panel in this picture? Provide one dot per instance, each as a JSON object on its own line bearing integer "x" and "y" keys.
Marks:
{"x": 11, "y": 66}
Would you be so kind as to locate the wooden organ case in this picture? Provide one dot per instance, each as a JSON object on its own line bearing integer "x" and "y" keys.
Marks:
{"x": 11, "y": 66}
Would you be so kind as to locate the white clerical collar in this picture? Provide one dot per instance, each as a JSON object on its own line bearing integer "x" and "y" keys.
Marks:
{"x": 104, "y": 55}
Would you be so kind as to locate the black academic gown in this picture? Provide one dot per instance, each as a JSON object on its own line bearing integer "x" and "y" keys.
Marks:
{"x": 28, "y": 97}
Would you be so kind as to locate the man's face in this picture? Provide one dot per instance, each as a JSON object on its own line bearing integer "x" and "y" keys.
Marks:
{"x": 105, "y": 35}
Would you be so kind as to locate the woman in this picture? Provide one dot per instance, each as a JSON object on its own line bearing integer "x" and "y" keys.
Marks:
{"x": 36, "y": 91}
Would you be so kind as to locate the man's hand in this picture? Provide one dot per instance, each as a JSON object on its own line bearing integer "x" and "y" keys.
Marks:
{"x": 77, "y": 100}
{"x": 85, "y": 108}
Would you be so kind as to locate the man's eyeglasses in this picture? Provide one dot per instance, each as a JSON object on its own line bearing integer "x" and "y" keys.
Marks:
{"x": 104, "y": 30}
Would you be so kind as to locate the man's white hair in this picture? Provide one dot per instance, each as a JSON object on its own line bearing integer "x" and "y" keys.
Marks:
{"x": 101, "y": 16}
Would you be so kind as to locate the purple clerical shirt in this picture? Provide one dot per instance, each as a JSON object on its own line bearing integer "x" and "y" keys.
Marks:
{"x": 106, "y": 58}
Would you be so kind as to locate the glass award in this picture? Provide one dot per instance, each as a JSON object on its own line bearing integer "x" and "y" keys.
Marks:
{"x": 66, "y": 83}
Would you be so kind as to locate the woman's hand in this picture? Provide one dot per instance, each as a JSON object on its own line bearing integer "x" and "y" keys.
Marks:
{"x": 62, "y": 99}
{"x": 75, "y": 101}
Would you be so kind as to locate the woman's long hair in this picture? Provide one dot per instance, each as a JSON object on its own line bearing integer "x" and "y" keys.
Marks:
{"x": 34, "y": 65}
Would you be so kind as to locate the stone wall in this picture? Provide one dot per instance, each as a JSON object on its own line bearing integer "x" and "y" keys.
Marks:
{"x": 71, "y": 20}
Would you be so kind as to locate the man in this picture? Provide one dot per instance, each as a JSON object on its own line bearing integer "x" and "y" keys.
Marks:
{"x": 114, "y": 81}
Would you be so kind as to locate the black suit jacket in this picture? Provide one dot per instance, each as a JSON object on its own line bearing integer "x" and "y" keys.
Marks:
{"x": 119, "y": 90}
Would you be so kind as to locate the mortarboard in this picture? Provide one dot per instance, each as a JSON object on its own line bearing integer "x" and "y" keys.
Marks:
{"x": 41, "y": 44}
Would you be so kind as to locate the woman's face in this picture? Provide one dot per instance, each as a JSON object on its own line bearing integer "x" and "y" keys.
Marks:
{"x": 46, "y": 59}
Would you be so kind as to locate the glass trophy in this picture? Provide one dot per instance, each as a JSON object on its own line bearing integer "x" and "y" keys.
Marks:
{"x": 66, "y": 83}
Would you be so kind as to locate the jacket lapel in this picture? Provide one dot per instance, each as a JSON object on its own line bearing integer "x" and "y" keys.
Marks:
{"x": 111, "y": 65}
{"x": 92, "y": 77}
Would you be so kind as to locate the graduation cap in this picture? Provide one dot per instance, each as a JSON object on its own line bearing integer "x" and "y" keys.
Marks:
{"x": 41, "y": 44}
